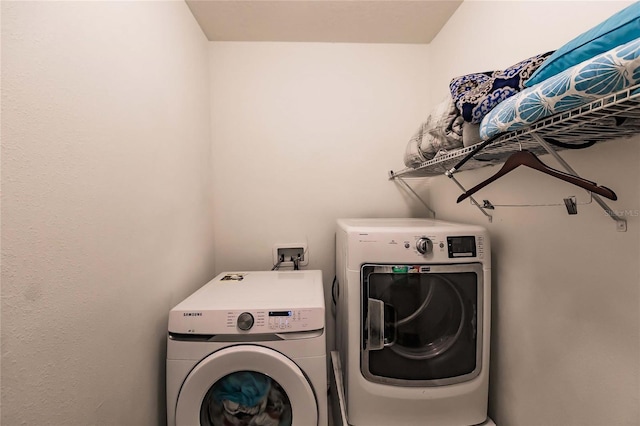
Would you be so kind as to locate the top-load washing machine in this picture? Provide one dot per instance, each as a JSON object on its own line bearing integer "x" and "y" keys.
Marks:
{"x": 413, "y": 318}
{"x": 248, "y": 348}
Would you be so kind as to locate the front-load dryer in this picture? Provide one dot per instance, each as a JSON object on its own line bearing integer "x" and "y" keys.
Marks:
{"x": 413, "y": 318}
{"x": 248, "y": 348}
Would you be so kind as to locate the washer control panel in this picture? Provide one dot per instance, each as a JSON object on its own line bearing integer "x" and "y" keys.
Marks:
{"x": 245, "y": 321}
{"x": 251, "y": 321}
{"x": 254, "y": 321}
{"x": 280, "y": 321}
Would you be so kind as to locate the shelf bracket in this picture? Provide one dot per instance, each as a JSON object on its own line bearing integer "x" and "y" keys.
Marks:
{"x": 487, "y": 205}
{"x": 449, "y": 174}
{"x": 621, "y": 223}
{"x": 399, "y": 179}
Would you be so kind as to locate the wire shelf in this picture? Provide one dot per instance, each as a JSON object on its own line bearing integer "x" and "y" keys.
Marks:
{"x": 611, "y": 117}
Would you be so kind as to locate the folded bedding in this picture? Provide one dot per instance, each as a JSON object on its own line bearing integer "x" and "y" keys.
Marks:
{"x": 481, "y": 106}
{"x": 443, "y": 130}
{"x": 455, "y": 122}
{"x": 603, "y": 74}
{"x": 477, "y": 94}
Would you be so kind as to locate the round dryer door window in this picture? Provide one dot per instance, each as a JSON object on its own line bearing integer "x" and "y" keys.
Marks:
{"x": 421, "y": 323}
{"x": 246, "y": 385}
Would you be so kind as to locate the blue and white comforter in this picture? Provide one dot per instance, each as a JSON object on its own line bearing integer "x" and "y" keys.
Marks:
{"x": 601, "y": 75}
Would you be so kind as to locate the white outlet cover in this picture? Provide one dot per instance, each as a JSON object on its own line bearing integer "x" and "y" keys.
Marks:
{"x": 304, "y": 262}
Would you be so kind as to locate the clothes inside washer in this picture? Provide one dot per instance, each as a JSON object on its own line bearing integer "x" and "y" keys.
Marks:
{"x": 246, "y": 398}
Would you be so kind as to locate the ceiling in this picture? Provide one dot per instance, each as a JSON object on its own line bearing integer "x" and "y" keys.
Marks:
{"x": 345, "y": 21}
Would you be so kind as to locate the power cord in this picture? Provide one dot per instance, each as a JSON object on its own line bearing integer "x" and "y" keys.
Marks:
{"x": 277, "y": 265}
{"x": 296, "y": 262}
{"x": 334, "y": 296}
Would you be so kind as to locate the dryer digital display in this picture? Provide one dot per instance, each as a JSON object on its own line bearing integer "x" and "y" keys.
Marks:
{"x": 461, "y": 246}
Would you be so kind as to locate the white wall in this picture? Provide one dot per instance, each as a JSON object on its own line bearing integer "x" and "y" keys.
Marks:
{"x": 106, "y": 204}
{"x": 566, "y": 317}
{"x": 303, "y": 134}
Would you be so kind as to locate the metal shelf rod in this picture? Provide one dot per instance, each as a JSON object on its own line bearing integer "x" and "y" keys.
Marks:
{"x": 621, "y": 224}
{"x": 449, "y": 174}
{"x": 613, "y": 116}
{"x": 417, "y": 196}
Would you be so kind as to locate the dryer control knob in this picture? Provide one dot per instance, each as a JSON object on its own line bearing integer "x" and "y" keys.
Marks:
{"x": 245, "y": 321}
{"x": 424, "y": 246}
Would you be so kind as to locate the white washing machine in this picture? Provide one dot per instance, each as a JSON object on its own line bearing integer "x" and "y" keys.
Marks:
{"x": 248, "y": 348}
{"x": 413, "y": 321}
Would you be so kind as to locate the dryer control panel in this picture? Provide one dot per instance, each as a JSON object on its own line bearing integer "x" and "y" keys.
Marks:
{"x": 397, "y": 247}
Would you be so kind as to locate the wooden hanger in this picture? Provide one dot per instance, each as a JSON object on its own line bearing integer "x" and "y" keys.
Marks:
{"x": 527, "y": 158}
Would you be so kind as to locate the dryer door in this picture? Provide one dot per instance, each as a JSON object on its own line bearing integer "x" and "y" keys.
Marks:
{"x": 246, "y": 384}
{"x": 422, "y": 324}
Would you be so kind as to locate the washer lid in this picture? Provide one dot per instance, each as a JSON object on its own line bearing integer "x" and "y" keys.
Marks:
{"x": 206, "y": 395}
{"x": 275, "y": 290}
{"x": 253, "y": 302}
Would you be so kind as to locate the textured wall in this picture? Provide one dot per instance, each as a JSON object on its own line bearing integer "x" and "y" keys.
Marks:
{"x": 107, "y": 216}
{"x": 566, "y": 317}
{"x": 305, "y": 133}
{"x": 106, "y": 204}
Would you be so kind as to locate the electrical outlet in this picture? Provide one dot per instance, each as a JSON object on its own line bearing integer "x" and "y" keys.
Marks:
{"x": 288, "y": 252}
